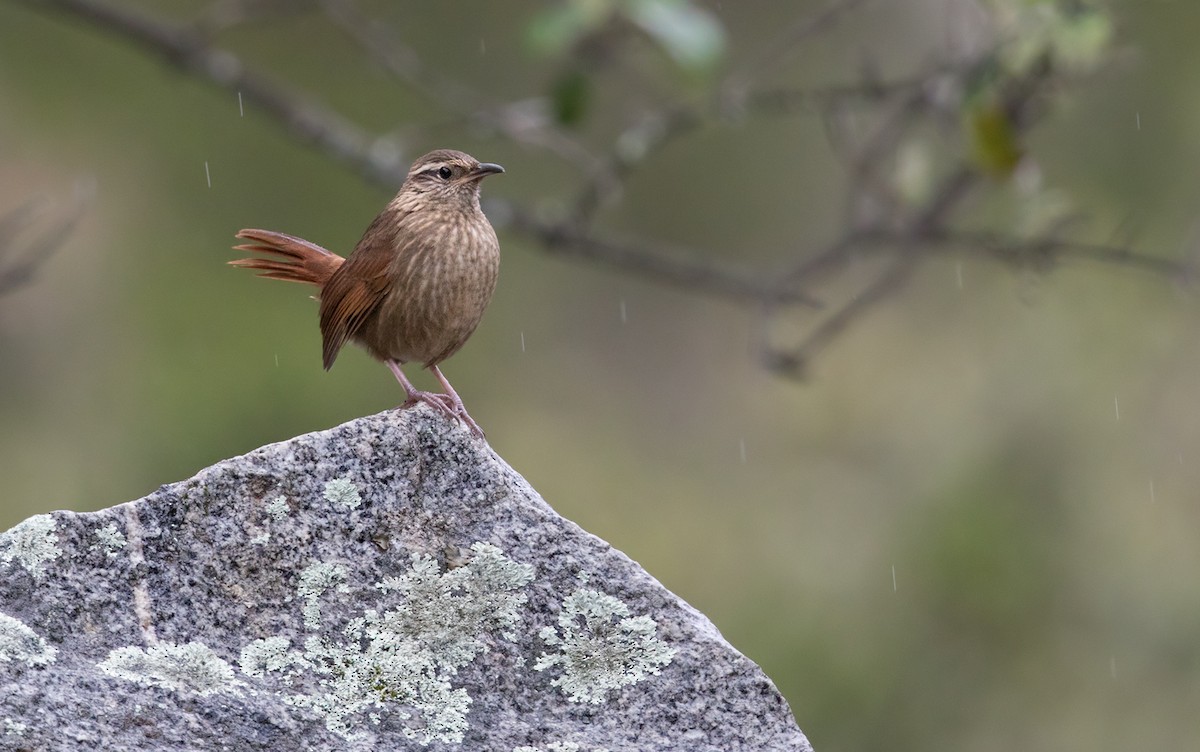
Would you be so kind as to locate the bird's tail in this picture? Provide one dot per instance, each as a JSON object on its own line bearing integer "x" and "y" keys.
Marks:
{"x": 289, "y": 258}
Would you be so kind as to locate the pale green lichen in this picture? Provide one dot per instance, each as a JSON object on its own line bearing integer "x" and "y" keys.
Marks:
{"x": 600, "y": 647}
{"x": 404, "y": 656}
{"x": 381, "y": 669}
{"x": 16, "y": 728}
{"x": 450, "y": 612}
{"x": 193, "y": 667}
{"x": 261, "y": 656}
{"x": 20, "y": 643}
{"x": 314, "y": 581}
{"x": 32, "y": 543}
{"x": 110, "y": 540}
{"x": 342, "y": 491}
{"x": 278, "y": 508}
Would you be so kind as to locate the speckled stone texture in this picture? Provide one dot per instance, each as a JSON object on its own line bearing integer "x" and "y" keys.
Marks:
{"x": 387, "y": 584}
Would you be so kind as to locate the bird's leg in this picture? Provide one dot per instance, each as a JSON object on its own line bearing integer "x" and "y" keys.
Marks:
{"x": 449, "y": 404}
{"x": 443, "y": 403}
{"x": 459, "y": 408}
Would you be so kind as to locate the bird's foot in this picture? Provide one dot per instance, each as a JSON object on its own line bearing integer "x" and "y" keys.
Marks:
{"x": 449, "y": 405}
{"x": 440, "y": 402}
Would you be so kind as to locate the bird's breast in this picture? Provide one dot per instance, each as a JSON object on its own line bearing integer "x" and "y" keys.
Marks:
{"x": 442, "y": 282}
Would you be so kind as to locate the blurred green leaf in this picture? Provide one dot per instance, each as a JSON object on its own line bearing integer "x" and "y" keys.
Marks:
{"x": 992, "y": 138}
{"x": 690, "y": 35}
{"x": 913, "y": 172}
{"x": 555, "y": 29}
{"x": 1074, "y": 34}
{"x": 570, "y": 96}
{"x": 1082, "y": 40}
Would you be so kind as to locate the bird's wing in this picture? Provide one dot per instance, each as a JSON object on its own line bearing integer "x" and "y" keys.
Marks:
{"x": 348, "y": 299}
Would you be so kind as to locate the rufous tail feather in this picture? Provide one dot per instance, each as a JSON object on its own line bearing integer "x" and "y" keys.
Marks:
{"x": 289, "y": 258}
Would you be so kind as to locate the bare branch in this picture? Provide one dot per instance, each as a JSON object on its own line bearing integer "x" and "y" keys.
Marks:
{"x": 794, "y": 362}
{"x": 775, "y": 52}
{"x": 910, "y": 241}
{"x": 1044, "y": 252}
{"x": 678, "y": 268}
{"x": 785, "y": 101}
{"x": 25, "y": 247}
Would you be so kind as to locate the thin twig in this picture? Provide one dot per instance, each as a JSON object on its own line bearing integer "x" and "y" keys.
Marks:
{"x": 773, "y": 54}
{"x": 794, "y": 362}
{"x": 25, "y": 248}
{"x": 785, "y": 101}
{"x": 1048, "y": 250}
{"x": 400, "y": 60}
{"x": 662, "y": 264}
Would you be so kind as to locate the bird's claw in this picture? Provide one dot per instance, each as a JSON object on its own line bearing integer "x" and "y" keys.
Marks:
{"x": 446, "y": 405}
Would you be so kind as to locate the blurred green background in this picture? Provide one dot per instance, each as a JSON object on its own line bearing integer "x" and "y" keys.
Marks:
{"x": 975, "y": 527}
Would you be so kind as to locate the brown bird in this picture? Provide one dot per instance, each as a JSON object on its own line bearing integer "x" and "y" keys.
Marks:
{"x": 416, "y": 285}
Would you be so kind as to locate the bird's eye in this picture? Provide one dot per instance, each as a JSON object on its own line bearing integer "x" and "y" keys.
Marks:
{"x": 445, "y": 173}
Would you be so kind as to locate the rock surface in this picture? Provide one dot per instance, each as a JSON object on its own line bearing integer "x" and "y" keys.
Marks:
{"x": 387, "y": 584}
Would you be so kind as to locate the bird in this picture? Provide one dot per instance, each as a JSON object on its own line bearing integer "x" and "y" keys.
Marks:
{"x": 415, "y": 286}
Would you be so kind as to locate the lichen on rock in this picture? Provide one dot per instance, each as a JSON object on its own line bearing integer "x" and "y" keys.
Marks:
{"x": 404, "y": 656}
{"x": 32, "y": 543}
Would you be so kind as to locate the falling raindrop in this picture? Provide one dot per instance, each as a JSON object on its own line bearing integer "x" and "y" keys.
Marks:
{"x": 1139, "y": 120}
{"x": 207, "y": 176}
{"x": 1117, "y": 407}
{"x": 522, "y": 341}
{"x": 893, "y": 578}
{"x": 241, "y": 110}
{"x": 276, "y": 360}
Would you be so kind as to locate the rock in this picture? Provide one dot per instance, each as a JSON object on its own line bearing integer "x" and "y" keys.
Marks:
{"x": 387, "y": 584}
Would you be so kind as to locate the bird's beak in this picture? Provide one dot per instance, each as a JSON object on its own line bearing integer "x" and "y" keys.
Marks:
{"x": 484, "y": 169}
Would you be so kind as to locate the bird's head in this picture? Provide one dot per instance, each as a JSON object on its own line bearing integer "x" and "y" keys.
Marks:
{"x": 447, "y": 175}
